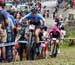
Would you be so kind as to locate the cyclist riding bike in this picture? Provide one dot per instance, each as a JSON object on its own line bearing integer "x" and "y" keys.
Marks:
{"x": 34, "y": 18}
{"x": 55, "y": 33}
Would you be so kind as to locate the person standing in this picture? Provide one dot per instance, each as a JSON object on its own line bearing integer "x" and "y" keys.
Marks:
{"x": 3, "y": 35}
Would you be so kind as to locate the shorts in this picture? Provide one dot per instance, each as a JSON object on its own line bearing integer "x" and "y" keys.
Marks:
{"x": 36, "y": 23}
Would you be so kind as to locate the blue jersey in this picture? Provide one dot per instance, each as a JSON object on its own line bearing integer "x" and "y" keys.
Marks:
{"x": 37, "y": 17}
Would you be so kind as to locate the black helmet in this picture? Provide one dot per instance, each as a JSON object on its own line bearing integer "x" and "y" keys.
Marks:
{"x": 34, "y": 10}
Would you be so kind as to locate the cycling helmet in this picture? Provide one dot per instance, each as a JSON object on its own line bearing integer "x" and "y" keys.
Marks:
{"x": 55, "y": 28}
{"x": 34, "y": 10}
{"x": 45, "y": 28}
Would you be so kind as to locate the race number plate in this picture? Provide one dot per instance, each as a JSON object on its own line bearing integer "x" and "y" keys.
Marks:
{"x": 31, "y": 27}
{"x": 53, "y": 38}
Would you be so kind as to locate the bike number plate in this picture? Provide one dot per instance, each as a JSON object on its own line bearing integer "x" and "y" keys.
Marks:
{"x": 53, "y": 38}
{"x": 31, "y": 27}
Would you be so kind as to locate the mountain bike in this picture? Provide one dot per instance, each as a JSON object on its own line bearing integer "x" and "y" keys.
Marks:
{"x": 54, "y": 48}
{"x": 31, "y": 41}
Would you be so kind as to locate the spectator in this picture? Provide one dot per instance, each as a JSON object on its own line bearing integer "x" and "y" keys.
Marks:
{"x": 55, "y": 12}
{"x": 44, "y": 11}
{"x": 63, "y": 34}
{"x": 3, "y": 35}
{"x": 8, "y": 26}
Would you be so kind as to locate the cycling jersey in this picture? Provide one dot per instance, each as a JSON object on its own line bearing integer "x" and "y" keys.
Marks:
{"x": 35, "y": 18}
{"x": 55, "y": 33}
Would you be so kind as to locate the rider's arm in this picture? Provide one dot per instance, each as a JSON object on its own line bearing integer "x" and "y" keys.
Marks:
{"x": 25, "y": 17}
{"x": 42, "y": 18}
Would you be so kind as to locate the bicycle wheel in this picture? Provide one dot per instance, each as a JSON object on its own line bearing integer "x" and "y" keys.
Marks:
{"x": 55, "y": 50}
{"x": 29, "y": 46}
{"x": 32, "y": 51}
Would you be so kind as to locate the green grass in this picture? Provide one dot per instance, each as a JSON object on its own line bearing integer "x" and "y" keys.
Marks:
{"x": 66, "y": 57}
{"x": 71, "y": 33}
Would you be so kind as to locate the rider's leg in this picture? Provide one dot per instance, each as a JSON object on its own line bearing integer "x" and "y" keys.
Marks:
{"x": 46, "y": 50}
{"x": 37, "y": 32}
{"x": 51, "y": 47}
{"x": 37, "y": 35}
{"x": 58, "y": 45}
{"x": 43, "y": 50}
{"x": 26, "y": 36}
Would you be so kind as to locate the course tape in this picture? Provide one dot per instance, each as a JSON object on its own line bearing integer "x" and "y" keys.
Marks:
{"x": 12, "y": 43}
{"x": 23, "y": 42}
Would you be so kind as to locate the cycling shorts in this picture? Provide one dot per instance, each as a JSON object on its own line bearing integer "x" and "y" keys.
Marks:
{"x": 36, "y": 23}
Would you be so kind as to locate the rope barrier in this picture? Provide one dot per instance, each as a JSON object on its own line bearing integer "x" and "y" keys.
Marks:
{"x": 23, "y": 42}
{"x": 12, "y": 43}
